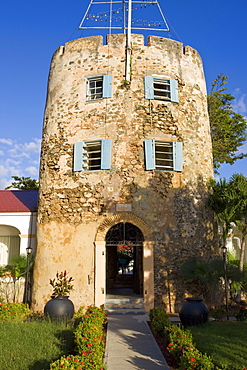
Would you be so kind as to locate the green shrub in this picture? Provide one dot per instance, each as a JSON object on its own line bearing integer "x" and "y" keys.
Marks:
{"x": 180, "y": 343}
{"x": 77, "y": 363}
{"x": 194, "y": 359}
{"x": 14, "y": 311}
{"x": 241, "y": 315}
{"x": 159, "y": 319}
{"x": 89, "y": 340}
{"x": 184, "y": 351}
{"x": 96, "y": 315}
{"x": 218, "y": 313}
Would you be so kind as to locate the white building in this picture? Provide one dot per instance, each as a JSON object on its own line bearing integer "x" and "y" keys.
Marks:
{"x": 18, "y": 210}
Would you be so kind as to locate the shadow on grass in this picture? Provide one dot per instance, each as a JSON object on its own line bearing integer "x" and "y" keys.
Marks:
{"x": 64, "y": 345}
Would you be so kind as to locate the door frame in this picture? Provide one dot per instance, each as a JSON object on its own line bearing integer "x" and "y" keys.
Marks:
{"x": 147, "y": 258}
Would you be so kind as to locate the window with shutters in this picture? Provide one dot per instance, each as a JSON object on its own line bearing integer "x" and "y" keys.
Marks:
{"x": 99, "y": 87}
{"x": 161, "y": 89}
{"x": 92, "y": 155}
{"x": 163, "y": 155}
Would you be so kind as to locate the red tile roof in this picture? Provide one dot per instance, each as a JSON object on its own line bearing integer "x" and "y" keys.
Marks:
{"x": 18, "y": 200}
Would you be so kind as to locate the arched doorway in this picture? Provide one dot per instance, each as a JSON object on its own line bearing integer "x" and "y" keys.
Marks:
{"x": 124, "y": 259}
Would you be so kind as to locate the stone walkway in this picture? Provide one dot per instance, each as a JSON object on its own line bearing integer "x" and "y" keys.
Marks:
{"x": 130, "y": 344}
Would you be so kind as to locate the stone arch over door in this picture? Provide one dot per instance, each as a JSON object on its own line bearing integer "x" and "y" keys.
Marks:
{"x": 148, "y": 257}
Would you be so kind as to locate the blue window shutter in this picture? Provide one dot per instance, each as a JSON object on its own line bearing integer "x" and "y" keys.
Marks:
{"x": 78, "y": 156}
{"x": 174, "y": 90}
{"x": 106, "y": 146}
{"x": 150, "y": 154}
{"x": 107, "y": 86}
{"x": 149, "y": 87}
{"x": 177, "y": 156}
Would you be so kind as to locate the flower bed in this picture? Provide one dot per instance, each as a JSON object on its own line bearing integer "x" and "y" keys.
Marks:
{"x": 14, "y": 311}
{"x": 89, "y": 339}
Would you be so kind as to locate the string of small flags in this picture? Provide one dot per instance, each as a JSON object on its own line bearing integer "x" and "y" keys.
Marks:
{"x": 117, "y": 18}
{"x": 137, "y": 22}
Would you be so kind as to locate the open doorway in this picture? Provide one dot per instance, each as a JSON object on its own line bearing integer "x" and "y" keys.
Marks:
{"x": 124, "y": 259}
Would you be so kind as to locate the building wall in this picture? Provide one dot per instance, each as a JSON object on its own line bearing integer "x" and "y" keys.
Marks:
{"x": 233, "y": 243}
{"x": 73, "y": 206}
{"x": 17, "y": 225}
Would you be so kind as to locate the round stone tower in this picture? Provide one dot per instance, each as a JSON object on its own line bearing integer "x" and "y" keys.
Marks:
{"x": 123, "y": 170}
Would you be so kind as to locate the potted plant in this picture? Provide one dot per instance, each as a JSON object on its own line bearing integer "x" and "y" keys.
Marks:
{"x": 60, "y": 307}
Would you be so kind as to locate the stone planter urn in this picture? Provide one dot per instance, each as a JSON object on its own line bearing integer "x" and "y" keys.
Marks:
{"x": 59, "y": 308}
{"x": 193, "y": 312}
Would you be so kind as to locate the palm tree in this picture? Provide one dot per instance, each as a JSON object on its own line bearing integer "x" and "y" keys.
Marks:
{"x": 225, "y": 202}
{"x": 239, "y": 183}
{"x": 229, "y": 202}
{"x": 207, "y": 274}
{"x": 17, "y": 268}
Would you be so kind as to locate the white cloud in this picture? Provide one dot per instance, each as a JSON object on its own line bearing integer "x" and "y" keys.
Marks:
{"x": 4, "y": 183}
{"x": 36, "y": 163}
{"x": 239, "y": 104}
{"x": 20, "y": 159}
{"x": 6, "y": 171}
{"x": 32, "y": 170}
{"x": 18, "y": 154}
{"x": 3, "y": 171}
{"x": 243, "y": 148}
{"x": 6, "y": 141}
{"x": 22, "y": 149}
{"x": 33, "y": 146}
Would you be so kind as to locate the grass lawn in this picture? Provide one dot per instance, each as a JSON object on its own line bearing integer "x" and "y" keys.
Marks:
{"x": 33, "y": 345}
{"x": 225, "y": 342}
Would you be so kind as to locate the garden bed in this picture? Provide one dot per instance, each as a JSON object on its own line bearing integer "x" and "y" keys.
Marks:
{"x": 30, "y": 341}
{"x": 172, "y": 363}
{"x": 220, "y": 345}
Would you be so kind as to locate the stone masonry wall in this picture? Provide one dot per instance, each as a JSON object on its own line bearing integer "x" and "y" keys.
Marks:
{"x": 72, "y": 205}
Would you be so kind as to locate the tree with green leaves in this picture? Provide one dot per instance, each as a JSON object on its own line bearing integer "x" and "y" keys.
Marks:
{"x": 23, "y": 183}
{"x": 228, "y": 129}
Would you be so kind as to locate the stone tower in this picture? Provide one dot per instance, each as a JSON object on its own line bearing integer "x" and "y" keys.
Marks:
{"x": 123, "y": 170}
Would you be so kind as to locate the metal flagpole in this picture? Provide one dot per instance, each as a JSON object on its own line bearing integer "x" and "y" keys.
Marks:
{"x": 128, "y": 50}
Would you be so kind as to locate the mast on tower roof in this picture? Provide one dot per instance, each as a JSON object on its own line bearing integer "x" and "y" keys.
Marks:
{"x": 119, "y": 16}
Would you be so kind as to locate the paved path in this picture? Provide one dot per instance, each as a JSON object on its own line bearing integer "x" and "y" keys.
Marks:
{"x": 130, "y": 344}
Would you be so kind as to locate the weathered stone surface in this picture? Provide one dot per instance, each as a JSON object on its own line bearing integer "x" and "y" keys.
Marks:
{"x": 73, "y": 205}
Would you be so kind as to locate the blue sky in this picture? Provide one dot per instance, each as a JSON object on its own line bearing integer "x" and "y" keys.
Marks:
{"x": 30, "y": 32}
